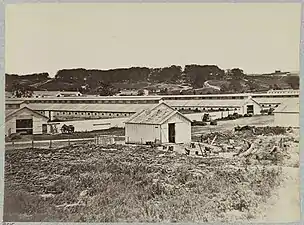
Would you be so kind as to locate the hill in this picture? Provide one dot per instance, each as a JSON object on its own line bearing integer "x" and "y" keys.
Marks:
{"x": 193, "y": 79}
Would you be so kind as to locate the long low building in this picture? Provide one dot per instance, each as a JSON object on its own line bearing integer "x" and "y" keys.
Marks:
{"x": 288, "y": 114}
{"x": 87, "y": 111}
{"x": 240, "y": 106}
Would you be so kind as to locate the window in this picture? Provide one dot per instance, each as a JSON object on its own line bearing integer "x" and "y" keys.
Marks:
{"x": 69, "y": 113}
{"x": 95, "y": 114}
{"x": 24, "y": 126}
{"x": 75, "y": 113}
{"x": 89, "y": 113}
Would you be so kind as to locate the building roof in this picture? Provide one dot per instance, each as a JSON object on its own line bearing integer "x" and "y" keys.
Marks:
{"x": 128, "y": 108}
{"x": 10, "y": 113}
{"x": 13, "y": 102}
{"x": 155, "y": 115}
{"x": 289, "y": 106}
{"x": 90, "y": 97}
{"x": 208, "y": 103}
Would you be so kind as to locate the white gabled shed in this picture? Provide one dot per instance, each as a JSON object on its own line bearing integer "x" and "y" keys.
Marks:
{"x": 160, "y": 123}
{"x": 25, "y": 120}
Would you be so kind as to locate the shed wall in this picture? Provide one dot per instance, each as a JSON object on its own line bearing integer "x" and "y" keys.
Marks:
{"x": 182, "y": 129}
{"x": 10, "y": 126}
{"x": 141, "y": 133}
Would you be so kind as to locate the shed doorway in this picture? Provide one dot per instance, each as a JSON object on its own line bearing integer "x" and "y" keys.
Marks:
{"x": 250, "y": 109}
{"x": 44, "y": 128}
{"x": 171, "y": 132}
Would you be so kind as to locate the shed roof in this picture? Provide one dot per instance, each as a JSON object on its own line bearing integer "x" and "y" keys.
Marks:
{"x": 11, "y": 113}
{"x": 289, "y": 106}
{"x": 209, "y": 103}
{"x": 155, "y": 115}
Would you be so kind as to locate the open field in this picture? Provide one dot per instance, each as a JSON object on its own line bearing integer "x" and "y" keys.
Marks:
{"x": 118, "y": 183}
{"x": 230, "y": 124}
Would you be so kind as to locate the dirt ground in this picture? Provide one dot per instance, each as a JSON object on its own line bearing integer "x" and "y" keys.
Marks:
{"x": 230, "y": 124}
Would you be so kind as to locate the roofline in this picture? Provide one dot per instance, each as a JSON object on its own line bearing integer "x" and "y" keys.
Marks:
{"x": 164, "y": 120}
{"x": 286, "y": 112}
{"x": 173, "y": 113}
{"x": 143, "y": 123}
{"x": 25, "y": 107}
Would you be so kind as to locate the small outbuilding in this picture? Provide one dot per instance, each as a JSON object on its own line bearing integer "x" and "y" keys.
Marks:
{"x": 25, "y": 121}
{"x": 160, "y": 123}
{"x": 288, "y": 114}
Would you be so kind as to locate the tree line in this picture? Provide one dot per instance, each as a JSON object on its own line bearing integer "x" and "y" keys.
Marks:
{"x": 93, "y": 81}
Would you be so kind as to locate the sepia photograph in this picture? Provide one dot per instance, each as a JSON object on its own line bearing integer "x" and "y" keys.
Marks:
{"x": 159, "y": 112}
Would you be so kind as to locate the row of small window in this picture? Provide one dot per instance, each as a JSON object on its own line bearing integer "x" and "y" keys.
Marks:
{"x": 269, "y": 105}
{"x": 92, "y": 113}
{"x": 200, "y": 98}
{"x": 96, "y": 101}
{"x": 12, "y": 106}
{"x": 231, "y": 97}
{"x": 221, "y": 109}
{"x": 276, "y": 96}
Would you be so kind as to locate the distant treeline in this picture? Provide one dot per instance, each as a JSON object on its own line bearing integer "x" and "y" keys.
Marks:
{"x": 102, "y": 82}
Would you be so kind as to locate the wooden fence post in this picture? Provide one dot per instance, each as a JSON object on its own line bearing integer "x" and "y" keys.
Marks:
{"x": 32, "y": 144}
{"x": 50, "y": 143}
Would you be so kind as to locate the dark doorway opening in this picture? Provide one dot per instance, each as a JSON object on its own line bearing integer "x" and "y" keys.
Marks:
{"x": 250, "y": 109}
{"x": 44, "y": 128}
{"x": 24, "y": 126}
{"x": 171, "y": 132}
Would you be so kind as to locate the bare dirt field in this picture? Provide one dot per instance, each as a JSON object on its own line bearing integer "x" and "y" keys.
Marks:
{"x": 119, "y": 183}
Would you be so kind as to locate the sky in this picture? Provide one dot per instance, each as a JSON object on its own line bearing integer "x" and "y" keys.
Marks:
{"x": 257, "y": 38}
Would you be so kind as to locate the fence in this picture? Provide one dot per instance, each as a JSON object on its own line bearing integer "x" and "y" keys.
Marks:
{"x": 49, "y": 144}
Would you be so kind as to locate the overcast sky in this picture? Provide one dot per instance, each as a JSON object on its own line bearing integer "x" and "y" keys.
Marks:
{"x": 255, "y": 37}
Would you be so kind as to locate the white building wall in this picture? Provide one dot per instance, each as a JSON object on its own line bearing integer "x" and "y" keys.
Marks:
{"x": 256, "y": 108}
{"x": 141, "y": 133}
{"x": 182, "y": 130}
{"x": 37, "y": 124}
{"x": 287, "y": 119}
{"x": 10, "y": 126}
{"x": 91, "y": 125}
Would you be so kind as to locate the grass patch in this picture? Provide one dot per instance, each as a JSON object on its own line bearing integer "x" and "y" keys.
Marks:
{"x": 116, "y": 183}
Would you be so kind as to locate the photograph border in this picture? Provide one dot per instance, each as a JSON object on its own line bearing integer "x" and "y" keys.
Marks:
{"x": 2, "y": 80}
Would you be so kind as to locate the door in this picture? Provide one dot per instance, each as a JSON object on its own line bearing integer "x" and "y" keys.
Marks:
{"x": 250, "y": 109}
{"x": 171, "y": 132}
{"x": 44, "y": 128}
